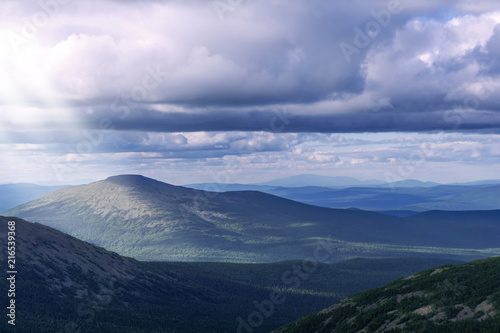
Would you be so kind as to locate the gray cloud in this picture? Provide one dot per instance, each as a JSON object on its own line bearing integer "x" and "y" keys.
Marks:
{"x": 170, "y": 81}
{"x": 402, "y": 117}
{"x": 424, "y": 60}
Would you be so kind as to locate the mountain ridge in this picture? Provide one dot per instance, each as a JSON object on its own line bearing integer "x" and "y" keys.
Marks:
{"x": 12, "y": 195}
{"x": 150, "y": 220}
{"x": 459, "y": 298}
{"x": 317, "y": 180}
{"x": 380, "y": 198}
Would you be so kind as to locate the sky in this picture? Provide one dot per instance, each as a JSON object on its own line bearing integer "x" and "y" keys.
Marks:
{"x": 243, "y": 91}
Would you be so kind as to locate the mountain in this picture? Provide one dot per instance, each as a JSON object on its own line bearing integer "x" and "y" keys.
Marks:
{"x": 400, "y": 213}
{"x": 383, "y": 198}
{"x": 307, "y": 180}
{"x": 410, "y": 183}
{"x": 149, "y": 220}
{"x": 460, "y": 298}
{"x": 223, "y": 187}
{"x": 472, "y": 198}
{"x": 316, "y": 180}
{"x": 480, "y": 182}
{"x": 66, "y": 285}
{"x": 12, "y": 195}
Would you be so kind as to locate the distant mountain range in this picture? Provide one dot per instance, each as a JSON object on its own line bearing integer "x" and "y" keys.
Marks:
{"x": 459, "y": 298}
{"x": 306, "y": 180}
{"x": 333, "y": 192}
{"x": 310, "y": 180}
{"x": 382, "y": 198}
{"x": 67, "y": 285}
{"x": 316, "y": 180}
{"x": 150, "y": 220}
{"x": 12, "y": 195}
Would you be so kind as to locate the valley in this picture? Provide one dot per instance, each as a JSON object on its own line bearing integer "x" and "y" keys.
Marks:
{"x": 82, "y": 287}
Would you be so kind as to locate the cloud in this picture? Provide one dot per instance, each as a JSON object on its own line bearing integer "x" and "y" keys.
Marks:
{"x": 186, "y": 157}
{"x": 211, "y": 75}
{"x": 266, "y": 83}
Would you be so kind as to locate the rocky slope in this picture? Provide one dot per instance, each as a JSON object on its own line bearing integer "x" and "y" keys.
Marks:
{"x": 459, "y": 298}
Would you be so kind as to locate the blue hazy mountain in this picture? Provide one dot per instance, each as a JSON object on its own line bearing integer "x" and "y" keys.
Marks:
{"x": 151, "y": 220}
{"x": 12, "y": 195}
{"x": 480, "y": 182}
{"x": 383, "y": 198}
{"x": 316, "y": 180}
{"x": 409, "y": 183}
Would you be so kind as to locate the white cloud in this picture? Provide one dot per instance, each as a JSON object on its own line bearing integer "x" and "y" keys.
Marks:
{"x": 428, "y": 59}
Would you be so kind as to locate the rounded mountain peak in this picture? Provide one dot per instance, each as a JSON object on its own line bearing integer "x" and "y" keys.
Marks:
{"x": 132, "y": 180}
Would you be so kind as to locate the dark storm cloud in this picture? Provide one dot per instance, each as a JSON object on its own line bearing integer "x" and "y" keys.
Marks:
{"x": 404, "y": 117}
{"x": 490, "y": 57}
{"x": 361, "y": 66}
